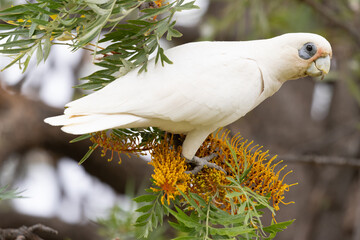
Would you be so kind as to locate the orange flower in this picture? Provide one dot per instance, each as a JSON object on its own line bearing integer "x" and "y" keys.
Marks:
{"x": 235, "y": 156}
{"x": 209, "y": 183}
{"x": 110, "y": 141}
{"x": 159, "y": 3}
{"x": 261, "y": 178}
{"x": 169, "y": 173}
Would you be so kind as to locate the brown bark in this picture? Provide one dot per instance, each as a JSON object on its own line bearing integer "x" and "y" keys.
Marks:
{"x": 15, "y": 224}
{"x": 22, "y": 129}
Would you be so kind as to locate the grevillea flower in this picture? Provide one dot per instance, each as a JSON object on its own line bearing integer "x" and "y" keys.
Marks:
{"x": 262, "y": 177}
{"x": 234, "y": 155}
{"x": 169, "y": 173}
{"x": 160, "y": 3}
{"x": 110, "y": 141}
{"x": 209, "y": 183}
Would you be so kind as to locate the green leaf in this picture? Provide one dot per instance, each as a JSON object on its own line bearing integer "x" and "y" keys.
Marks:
{"x": 229, "y": 219}
{"x": 39, "y": 21}
{"x": 80, "y": 138}
{"x": 17, "y": 43}
{"x": 21, "y": 55}
{"x": 15, "y": 32}
{"x": 14, "y": 51}
{"x": 87, "y": 155}
{"x": 160, "y": 55}
{"x": 68, "y": 22}
{"x": 188, "y": 238}
{"x": 179, "y": 227}
{"x": 98, "y": 10}
{"x": 141, "y": 224}
{"x": 184, "y": 219}
{"x": 5, "y": 193}
{"x": 6, "y": 26}
{"x": 172, "y": 32}
{"x": 143, "y": 218}
{"x": 36, "y": 9}
{"x": 39, "y": 53}
{"x": 150, "y": 220}
{"x": 97, "y": 1}
{"x": 186, "y": 6}
{"x": 94, "y": 29}
{"x": 152, "y": 12}
{"x": 192, "y": 202}
{"x": 91, "y": 85}
{"x": 199, "y": 199}
{"x": 18, "y": 9}
{"x": 27, "y": 60}
{"x": 32, "y": 29}
{"x": 52, "y": 4}
{"x": 231, "y": 231}
{"x": 47, "y": 47}
{"x": 145, "y": 198}
{"x": 144, "y": 208}
{"x": 234, "y": 194}
{"x": 273, "y": 229}
{"x": 162, "y": 27}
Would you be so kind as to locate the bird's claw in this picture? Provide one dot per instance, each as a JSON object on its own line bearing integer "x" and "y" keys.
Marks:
{"x": 201, "y": 162}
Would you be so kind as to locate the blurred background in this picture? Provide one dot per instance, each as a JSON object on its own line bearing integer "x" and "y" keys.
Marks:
{"x": 312, "y": 124}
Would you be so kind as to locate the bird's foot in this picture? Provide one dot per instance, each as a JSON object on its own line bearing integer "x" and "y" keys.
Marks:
{"x": 201, "y": 162}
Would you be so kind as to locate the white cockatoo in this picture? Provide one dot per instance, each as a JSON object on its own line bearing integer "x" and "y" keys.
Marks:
{"x": 209, "y": 85}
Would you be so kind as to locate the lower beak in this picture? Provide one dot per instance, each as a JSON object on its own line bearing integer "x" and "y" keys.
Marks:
{"x": 320, "y": 67}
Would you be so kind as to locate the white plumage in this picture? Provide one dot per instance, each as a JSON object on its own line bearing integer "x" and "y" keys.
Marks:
{"x": 209, "y": 85}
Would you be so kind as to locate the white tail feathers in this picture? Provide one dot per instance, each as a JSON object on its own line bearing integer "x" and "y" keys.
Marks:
{"x": 95, "y": 122}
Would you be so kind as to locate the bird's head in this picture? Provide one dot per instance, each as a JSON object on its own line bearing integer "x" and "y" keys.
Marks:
{"x": 308, "y": 55}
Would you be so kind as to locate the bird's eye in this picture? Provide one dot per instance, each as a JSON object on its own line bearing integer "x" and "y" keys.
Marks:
{"x": 307, "y": 51}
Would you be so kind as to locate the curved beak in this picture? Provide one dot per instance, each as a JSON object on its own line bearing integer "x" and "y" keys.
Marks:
{"x": 320, "y": 67}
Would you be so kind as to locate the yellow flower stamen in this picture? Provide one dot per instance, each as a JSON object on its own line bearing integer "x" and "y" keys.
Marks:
{"x": 169, "y": 173}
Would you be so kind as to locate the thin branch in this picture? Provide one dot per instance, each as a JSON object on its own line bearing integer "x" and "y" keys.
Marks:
{"x": 323, "y": 160}
{"x": 19, "y": 114}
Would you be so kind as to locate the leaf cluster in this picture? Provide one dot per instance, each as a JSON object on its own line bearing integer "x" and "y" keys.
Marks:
{"x": 119, "y": 224}
{"x": 198, "y": 219}
{"x": 130, "y": 44}
{"x": 152, "y": 213}
{"x": 129, "y": 34}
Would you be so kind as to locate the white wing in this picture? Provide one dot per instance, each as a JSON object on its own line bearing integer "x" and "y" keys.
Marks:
{"x": 207, "y": 84}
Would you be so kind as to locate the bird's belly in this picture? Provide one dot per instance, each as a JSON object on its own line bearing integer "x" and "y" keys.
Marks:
{"x": 173, "y": 127}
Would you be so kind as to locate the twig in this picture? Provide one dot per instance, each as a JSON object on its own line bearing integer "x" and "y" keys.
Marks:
{"x": 332, "y": 17}
{"x": 323, "y": 160}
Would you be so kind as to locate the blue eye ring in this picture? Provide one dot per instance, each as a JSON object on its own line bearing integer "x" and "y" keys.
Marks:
{"x": 307, "y": 51}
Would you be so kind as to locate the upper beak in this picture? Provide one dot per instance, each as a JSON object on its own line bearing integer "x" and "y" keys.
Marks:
{"x": 320, "y": 67}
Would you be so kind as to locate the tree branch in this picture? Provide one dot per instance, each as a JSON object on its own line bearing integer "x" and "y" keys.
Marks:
{"x": 9, "y": 219}
{"x": 26, "y": 233}
{"x": 322, "y": 160}
{"x": 22, "y": 129}
{"x": 331, "y": 17}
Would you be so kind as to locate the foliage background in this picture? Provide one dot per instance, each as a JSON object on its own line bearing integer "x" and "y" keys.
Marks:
{"x": 316, "y": 134}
